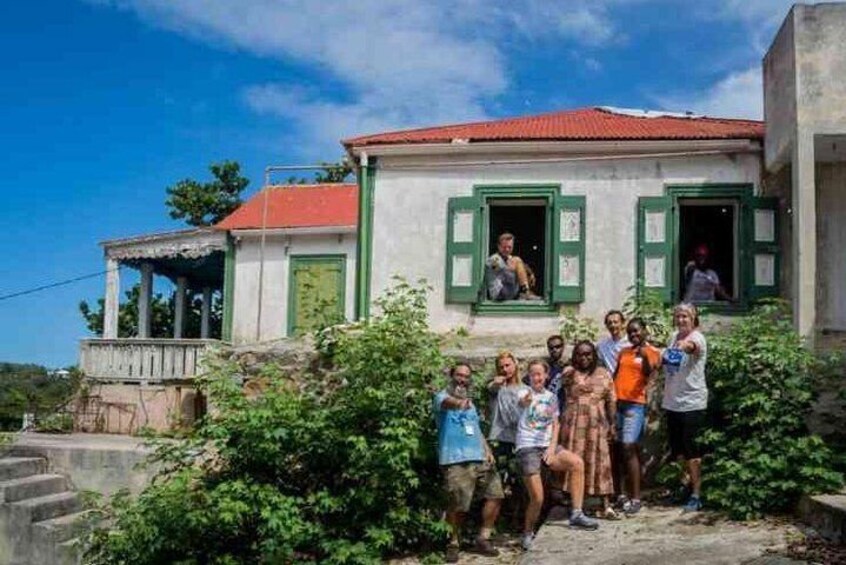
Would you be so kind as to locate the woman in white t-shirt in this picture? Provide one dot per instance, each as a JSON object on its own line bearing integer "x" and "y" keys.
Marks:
{"x": 686, "y": 395}
{"x": 537, "y": 445}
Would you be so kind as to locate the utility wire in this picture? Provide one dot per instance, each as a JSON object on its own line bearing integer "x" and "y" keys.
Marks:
{"x": 52, "y": 285}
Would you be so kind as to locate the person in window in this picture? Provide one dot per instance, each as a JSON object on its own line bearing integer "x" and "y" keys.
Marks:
{"x": 506, "y": 276}
{"x": 701, "y": 283}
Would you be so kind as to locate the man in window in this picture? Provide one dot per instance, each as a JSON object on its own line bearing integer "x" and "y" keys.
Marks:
{"x": 506, "y": 276}
{"x": 702, "y": 284}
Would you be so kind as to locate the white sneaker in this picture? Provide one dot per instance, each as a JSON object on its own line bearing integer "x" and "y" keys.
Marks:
{"x": 526, "y": 541}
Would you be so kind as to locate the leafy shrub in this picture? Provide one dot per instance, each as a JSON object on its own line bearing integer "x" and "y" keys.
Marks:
{"x": 648, "y": 305}
{"x": 761, "y": 377}
{"x": 575, "y": 328}
{"x": 336, "y": 468}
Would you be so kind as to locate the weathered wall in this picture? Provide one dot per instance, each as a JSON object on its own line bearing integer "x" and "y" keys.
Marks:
{"x": 410, "y": 206}
{"x": 278, "y": 249}
{"x": 820, "y": 44}
{"x": 127, "y": 408}
{"x": 779, "y": 68}
{"x": 831, "y": 241}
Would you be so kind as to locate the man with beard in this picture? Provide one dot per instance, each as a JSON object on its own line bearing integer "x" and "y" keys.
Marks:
{"x": 466, "y": 461}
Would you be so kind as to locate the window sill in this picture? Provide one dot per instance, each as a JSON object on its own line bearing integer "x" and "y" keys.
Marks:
{"x": 524, "y": 307}
{"x": 722, "y": 308}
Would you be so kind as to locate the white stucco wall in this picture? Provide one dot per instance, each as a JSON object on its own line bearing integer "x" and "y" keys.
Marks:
{"x": 409, "y": 235}
{"x": 278, "y": 251}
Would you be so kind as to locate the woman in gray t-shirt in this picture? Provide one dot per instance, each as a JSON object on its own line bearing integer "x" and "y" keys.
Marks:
{"x": 505, "y": 390}
{"x": 686, "y": 394}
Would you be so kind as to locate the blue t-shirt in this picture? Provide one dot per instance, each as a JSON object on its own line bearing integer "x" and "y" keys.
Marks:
{"x": 459, "y": 434}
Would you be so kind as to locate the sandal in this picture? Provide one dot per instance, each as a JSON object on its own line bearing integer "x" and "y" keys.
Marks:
{"x": 609, "y": 514}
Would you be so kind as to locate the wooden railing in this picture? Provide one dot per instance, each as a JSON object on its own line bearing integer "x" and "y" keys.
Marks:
{"x": 142, "y": 360}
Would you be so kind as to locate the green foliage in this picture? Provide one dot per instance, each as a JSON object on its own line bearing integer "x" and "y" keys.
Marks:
{"x": 575, "y": 328}
{"x": 207, "y": 203}
{"x": 337, "y": 467}
{"x": 648, "y": 305}
{"x": 329, "y": 173}
{"x": 761, "y": 378}
{"x": 31, "y": 388}
{"x": 161, "y": 315}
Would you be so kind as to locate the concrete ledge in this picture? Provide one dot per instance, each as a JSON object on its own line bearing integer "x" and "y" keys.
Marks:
{"x": 826, "y": 513}
{"x": 96, "y": 462}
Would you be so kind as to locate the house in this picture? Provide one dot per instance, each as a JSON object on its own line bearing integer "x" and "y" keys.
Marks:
{"x": 598, "y": 198}
{"x": 805, "y": 159}
{"x": 294, "y": 260}
{"x": 281, "y": 263}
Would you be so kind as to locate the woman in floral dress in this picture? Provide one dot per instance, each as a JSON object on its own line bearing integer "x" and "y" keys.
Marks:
{"x": 589, "y": 422}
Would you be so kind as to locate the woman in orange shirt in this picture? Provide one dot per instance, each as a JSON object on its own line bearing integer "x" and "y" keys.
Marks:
{"x": 636, "y": 368}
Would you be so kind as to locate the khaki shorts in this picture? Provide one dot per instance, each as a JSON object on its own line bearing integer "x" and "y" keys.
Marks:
{"x": 466, "y": 482}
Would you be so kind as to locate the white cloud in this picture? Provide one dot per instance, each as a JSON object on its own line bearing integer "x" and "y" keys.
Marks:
{"x": 739, "y": 95}
{"x": 401, "y": 62}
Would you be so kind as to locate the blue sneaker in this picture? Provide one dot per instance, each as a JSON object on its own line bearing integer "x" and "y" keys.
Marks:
{"x": 693, "y": 504}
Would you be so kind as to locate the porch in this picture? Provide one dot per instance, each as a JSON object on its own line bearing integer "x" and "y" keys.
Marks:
{"x": 167, "y": 338}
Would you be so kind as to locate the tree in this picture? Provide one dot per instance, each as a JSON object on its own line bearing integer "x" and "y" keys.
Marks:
{"x": 161, "y": 315}
{"x": 161, "y": 312}
{"x": 329, "y": 173}
{"x": 205, "y": 204}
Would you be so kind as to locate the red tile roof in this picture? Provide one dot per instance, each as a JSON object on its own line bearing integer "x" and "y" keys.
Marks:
{"x": 587, "y": 124}
{"x": 298, "y": 206}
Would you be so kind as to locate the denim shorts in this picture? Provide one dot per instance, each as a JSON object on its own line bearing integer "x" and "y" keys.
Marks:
{"x": 631, "y": 421}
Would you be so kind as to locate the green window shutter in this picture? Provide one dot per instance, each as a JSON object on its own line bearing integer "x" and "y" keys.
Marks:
{"x": 655, "y": 237}
{"x": 762, "y": 258}
{"x": 568, "y": 246}
{"x": 463, "y": 250}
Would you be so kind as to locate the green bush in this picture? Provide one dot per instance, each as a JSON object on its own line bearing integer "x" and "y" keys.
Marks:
{"x": 574, "y": 328}
{"x": 761, "y": 455}
{"x": 648, "y": 305}
{"x": 338, "y": 467}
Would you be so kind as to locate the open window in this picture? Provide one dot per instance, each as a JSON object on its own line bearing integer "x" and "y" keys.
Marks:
{"x": 548, "y": 232}
{"x": 711, "y": 245}
{"x": 708, "y": 251}
{"x": 525, "y": 219}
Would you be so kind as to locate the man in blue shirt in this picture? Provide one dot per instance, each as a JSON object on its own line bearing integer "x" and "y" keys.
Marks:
{"x": 466, "y": 461}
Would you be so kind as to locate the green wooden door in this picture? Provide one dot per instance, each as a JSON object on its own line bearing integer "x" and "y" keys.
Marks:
{"x": 316, "y": 292}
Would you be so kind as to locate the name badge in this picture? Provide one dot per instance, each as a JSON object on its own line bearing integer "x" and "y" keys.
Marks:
{"x": 469, "y": 429}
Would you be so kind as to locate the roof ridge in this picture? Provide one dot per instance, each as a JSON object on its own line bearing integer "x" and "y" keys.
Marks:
{"x": 465, "y": 124}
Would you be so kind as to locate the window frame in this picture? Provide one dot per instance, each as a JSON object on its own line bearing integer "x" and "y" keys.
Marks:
{"x": 543, "y": 191}
{"x": 744, "y": 196}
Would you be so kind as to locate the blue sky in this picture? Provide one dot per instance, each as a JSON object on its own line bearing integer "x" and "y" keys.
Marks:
{"x": 104, "y": 103}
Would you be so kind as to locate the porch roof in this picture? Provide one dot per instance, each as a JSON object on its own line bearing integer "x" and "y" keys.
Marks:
{"x": 196, "y": 253}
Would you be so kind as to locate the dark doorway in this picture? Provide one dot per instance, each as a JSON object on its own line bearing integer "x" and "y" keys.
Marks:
{"x": 712, "y": 224}
{"x": 528, "y": 224}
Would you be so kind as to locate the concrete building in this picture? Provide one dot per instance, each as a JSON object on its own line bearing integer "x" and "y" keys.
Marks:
{"x": 805, "y": 156}
{"x": 600, "y": 199}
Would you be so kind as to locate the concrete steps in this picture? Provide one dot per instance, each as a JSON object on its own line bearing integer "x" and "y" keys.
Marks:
{"x": 41, "y": 518}
{"x": 18, "y": 467}
{"x": 31, "y": 487}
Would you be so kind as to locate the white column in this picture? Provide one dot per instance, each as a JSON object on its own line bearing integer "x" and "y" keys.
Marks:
{"x": 111, "y": 306}
{"x": 144, "y": 298}
{"x": 804, "y": 193}
{"x": 179, "y": 307}
{"x": 205, "y": 314}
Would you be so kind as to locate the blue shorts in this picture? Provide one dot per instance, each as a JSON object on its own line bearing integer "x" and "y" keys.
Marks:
{"x": 631, "y": 421}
